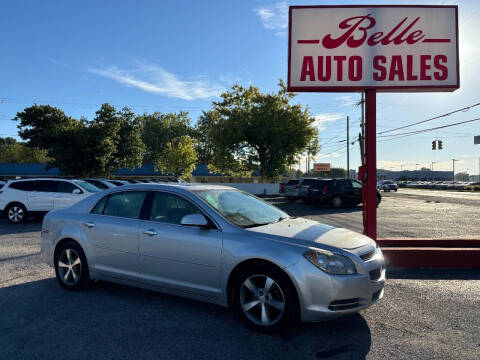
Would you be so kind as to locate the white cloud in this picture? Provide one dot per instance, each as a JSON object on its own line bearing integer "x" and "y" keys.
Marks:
{"x": 322, "y": 119}
{"x": 328, "y": 155}
{"x": 347, "y": 100}
{"x": 274, "y": 17}
{"x": 154, "y": 79}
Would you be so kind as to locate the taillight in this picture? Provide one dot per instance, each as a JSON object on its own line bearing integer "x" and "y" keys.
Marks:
{"x": 324, "y": 190}
{"x": 297, "y": 187}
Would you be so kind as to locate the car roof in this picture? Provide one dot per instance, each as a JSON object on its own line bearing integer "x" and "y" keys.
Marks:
{"x": 33, "y": 179}
{"x": 186, "y": 187}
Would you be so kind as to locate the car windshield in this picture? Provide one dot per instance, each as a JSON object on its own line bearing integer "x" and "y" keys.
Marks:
{"x": 241, "y": 208}
{"x": 87, "y": 186}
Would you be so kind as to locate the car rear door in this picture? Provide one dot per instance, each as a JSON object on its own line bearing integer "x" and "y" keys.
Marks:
{"x": 40, "y": 198}
{"x": 357, "y": 191}
{"x": 185, "y": 258}
{"x": 112, "y": 229}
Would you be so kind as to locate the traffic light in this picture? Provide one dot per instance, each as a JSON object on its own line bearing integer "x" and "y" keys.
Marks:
{"x": 434, "y": 145}
{"x": 440, "y": 145}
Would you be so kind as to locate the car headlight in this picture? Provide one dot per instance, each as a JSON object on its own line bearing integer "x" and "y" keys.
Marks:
{"x": 331, "y": 263}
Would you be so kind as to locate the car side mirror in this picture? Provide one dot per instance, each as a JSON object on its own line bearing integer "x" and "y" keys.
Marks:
{"x": 76, "y": 191}
{"x": 194, "y": 220}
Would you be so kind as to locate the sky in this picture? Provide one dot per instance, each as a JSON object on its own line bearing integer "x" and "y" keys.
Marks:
{"x": 177, "y": 55}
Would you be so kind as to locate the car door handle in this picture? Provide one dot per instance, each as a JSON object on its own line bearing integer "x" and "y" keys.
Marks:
{"x": 150, "y": 232}
{"x": 89, "y": 224}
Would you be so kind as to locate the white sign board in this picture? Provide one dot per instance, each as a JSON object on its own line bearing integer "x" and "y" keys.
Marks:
{"x": 384, "y": 47}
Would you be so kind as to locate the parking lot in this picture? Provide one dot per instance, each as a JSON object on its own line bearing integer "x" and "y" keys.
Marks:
{"x": 406, "y": 213}
{"x": 40, "y": 320}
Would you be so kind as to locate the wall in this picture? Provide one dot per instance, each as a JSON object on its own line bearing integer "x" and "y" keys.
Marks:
{"x": 256, "y": 189}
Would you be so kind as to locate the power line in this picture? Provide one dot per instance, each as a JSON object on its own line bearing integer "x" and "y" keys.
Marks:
{"x": 434, "y": 118}
{"x": 426, "y": 130}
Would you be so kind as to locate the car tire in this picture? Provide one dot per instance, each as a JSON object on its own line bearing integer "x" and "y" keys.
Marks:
{"x": 337, "y": 202}
{"x": 253, "y": 302}
{"x": 16, "y": 213}
{"x": 396, "y": 190}
{"x": 378, "y": 200}
{"x": 71, "y": 268}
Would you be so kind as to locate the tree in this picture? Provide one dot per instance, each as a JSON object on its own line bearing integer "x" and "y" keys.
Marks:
{"x": 158, "y": 129}
{"x": 249, "y": 130}
{"x": 462, "y": 176}
{"x": 82, "y": 148}
{"x": 13, "y": 152}
{"x": 41, "y": 125}
{"x": 179, "y": 157}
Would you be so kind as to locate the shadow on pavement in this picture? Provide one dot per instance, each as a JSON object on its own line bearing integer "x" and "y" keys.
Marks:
{"x": 30, "y": 225}
{"x": 40, "y": 320}
{"x": 434, "y": 273}
{"x": 302, "y": 209}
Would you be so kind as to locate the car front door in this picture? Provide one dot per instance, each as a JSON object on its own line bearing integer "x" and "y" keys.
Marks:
{"x": 112, "y": 229}
{"x": 40, "y": 198}
{"x": 357, "y": 191}
{"x": 66, "y": 195}
{"x": 185, "y": 258}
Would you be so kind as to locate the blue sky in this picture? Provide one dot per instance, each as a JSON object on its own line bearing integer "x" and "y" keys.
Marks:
{"x": 180, "y": 55}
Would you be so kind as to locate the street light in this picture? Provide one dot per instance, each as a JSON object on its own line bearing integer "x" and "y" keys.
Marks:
{"x": 453, "y": 175}
{"x": 416, "y": 166}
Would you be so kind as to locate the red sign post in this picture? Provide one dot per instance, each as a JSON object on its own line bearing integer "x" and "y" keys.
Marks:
{"x": 372, "y": 48}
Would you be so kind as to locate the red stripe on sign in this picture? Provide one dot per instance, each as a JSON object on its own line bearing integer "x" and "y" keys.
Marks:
{"x": 308, "y": 41}
{"x": 437, "y": 40}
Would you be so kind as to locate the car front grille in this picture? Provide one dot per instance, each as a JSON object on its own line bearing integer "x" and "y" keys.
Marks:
{"x": 346, "y": 304}
{"x": 375, "y": 274}
{"x": 367, "y": 256}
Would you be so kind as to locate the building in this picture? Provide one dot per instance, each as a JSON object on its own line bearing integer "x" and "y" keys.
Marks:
{"x": 200, "y": 174}
{"x": 423, "y": 174}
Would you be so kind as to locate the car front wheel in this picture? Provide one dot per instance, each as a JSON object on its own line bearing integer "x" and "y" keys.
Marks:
{"x": 337, "y": 202}
{"x": 16, "y": 213}
{"x": 265, "y": 299}
{"x": 71, "y": 267}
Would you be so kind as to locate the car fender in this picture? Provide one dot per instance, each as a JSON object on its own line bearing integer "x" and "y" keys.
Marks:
{"x": 77, "y": 234}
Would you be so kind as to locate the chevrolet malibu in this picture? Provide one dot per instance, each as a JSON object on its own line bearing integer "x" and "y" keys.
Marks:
{"x": 216, "y": 244}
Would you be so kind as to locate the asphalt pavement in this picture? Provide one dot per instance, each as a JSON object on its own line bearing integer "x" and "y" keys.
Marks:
{"x": 425, "y": 314}
{"x": 406, "y": 213}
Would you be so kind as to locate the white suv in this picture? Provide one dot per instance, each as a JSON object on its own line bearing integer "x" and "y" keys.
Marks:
{"x": 19, "y": 198}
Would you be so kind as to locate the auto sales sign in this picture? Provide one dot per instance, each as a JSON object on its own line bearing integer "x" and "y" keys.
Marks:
{"x": 388, "y": 48}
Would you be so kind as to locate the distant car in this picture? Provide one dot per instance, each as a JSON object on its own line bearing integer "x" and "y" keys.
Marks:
{"x": 387, "y": 185}
{"x": 101, "y": 183}
{"x": 337, "y": 192}
{"x": 291, "y": 189}
{"x": 216, "y": 244}
{"x": 20, "y": 198}
{"x": 298, "y": 189}
{"x": 282, "y": 187}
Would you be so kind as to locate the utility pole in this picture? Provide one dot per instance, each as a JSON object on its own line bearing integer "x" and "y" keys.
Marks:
{"x": 453, "y": 175}
{"x": 433, "y": 162}
{"x": 348, "y": 147}
{"x": 416, "y": 166}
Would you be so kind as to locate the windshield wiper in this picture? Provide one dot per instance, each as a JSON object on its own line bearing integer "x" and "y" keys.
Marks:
{"x": 257, "y": 224}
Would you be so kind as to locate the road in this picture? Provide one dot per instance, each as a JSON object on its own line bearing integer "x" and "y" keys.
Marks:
{"x": 406, "y": 213}
{"x": 424, "y": 315}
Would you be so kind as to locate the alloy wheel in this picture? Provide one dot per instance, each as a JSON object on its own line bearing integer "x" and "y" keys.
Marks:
{"x": 262, "y": 300}
{"x": 69, "y": 267}
{"x": 16, "y": 214}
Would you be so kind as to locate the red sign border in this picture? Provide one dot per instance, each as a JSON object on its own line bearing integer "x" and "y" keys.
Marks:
{"x": 419, "y": 88}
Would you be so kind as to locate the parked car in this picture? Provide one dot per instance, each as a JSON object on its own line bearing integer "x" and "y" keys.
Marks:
{"x": 337, "y": 192}
{"x": 20, "y": 198}
{"x": 118, "y": 182}
{"x": 101, "y": 183}
{"x": 298, "y": 189}
{"x": 387, "y": 185}
{"x": 215, "y": 244}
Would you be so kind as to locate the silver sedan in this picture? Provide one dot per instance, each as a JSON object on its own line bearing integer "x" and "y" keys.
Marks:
{"x": 216, "y": 244}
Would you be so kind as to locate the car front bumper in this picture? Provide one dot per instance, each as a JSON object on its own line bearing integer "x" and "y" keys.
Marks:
{"x": 323, "y": 296}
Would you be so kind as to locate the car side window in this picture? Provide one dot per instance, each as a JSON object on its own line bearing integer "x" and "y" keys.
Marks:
{"x": 125, "y": 204}
{"x": 22, "y": 185}
{"x": 46, "y": 186}
{"x": 169, "y": 208}
{"x": 66, "y": 187}
{"x": 100, "y": 206}
{"x": 356, "y": 184}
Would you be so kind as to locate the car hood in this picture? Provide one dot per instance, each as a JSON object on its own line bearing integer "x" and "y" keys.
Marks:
{"x": 306, "y": 232}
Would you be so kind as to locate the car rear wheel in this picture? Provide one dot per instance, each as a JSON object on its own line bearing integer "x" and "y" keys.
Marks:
{"x": 71, "y": 267}
{"x": 265, "y": 298}
{"x": 337, "y": 202}
{"x": 16, "y": 213}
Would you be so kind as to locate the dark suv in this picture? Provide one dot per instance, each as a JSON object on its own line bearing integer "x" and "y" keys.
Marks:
{"x": 337, "y": 192}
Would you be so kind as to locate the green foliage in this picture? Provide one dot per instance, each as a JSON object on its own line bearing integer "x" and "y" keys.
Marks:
{"x": 178, "y": 157}
{"x": 81, "y": 148}
{"x": 12, "y": 152}
{"x": 159, "y": 129}
{"x": 248, "y": 130}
